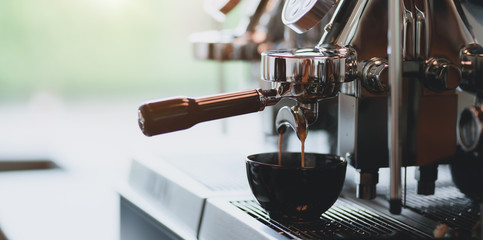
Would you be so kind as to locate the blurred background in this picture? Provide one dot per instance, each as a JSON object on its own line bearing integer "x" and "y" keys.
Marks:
{"x": 72, "y": 75}
{"x": 102, "y": 48}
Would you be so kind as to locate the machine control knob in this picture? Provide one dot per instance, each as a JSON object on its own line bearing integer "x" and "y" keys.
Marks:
{"x": 302, "y": 15}
{"x": 441, "y": 75}
{"x": 374, "y": 74}
{"x": 470, "y": 127}
{"x": 472, "y": 68}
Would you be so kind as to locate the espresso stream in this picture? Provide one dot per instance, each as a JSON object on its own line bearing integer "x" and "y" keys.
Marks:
{"x": 280, "y": 137}
{"x": 302, "y": 138}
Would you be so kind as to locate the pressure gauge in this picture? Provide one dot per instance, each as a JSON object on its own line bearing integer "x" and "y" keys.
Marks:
{"x": 302, "y": 15}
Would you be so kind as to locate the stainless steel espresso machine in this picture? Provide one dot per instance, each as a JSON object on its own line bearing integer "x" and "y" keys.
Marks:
{"x": 407, "y": 77}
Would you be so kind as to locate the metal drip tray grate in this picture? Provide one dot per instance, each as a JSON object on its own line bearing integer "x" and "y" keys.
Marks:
{"x": 448, "y": 206}
{"x": 344, "y": 220}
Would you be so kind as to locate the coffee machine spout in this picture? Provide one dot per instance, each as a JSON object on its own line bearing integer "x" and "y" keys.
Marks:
{"x": 298, "y": 117}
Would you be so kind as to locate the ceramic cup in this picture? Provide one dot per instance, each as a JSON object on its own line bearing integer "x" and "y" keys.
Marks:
{"x": 293, "y": 193}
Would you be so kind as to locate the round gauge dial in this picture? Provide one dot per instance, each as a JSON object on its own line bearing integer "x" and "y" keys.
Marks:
{"x": 302, "y": 15}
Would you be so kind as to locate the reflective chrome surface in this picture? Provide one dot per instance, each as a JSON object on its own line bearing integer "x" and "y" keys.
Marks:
{"x": 399, "y": 69}
{"x": 374, "y": 75}
{"x": 324, "y": 65}
{"x": 302, "y": 15}
{"x": 421, "y": 115}
{"x": 224, "y": 45}
{"x": 298, "y": 117}
{"x": 430, "y": 71}
{"x": 256, "y": 32}
{"x": 441, "y": 75}
{"x": 395, "y": 105}
{"x": 472, "y": 67}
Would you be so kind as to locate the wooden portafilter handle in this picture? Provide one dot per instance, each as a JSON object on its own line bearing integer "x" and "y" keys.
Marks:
{"x": 175, "y": 114}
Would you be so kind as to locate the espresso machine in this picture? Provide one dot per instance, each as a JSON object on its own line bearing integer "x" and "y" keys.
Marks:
{"x": 406, "y": 76}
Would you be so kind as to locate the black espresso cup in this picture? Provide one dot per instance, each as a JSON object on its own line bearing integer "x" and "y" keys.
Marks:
{"x": 290, "y": 192}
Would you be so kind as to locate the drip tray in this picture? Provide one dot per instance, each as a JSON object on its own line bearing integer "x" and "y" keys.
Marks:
{"x": 448, "y": 206}
{"x": 344, "y": 220}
